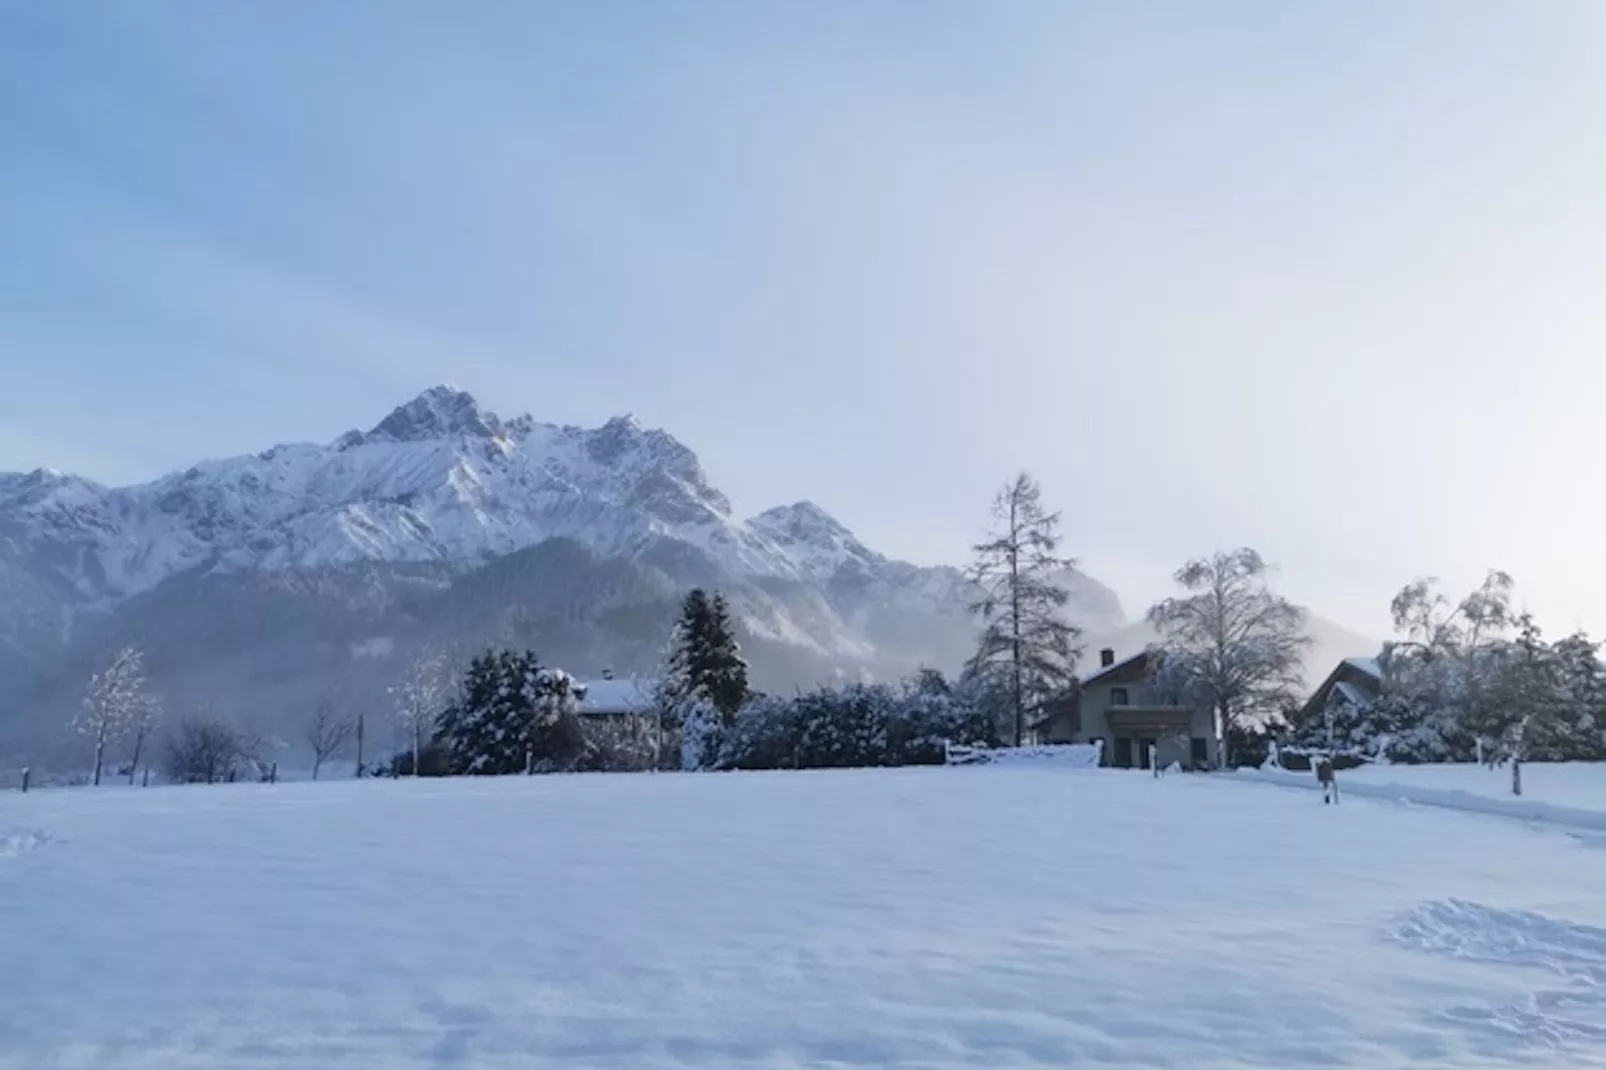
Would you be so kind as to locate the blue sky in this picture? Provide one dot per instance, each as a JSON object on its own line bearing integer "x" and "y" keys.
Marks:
{"x": 1323, "y": 279}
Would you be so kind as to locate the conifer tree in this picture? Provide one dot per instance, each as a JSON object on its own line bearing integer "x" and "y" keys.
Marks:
{"x": 705, "y": 660}
{"x": 1026, "y": 643}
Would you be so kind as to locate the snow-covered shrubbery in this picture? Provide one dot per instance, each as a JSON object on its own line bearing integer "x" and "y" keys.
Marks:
{"x": 514, "y": 716}
{"x": 1469, "y": 680}
{"x": 856, "y": 725}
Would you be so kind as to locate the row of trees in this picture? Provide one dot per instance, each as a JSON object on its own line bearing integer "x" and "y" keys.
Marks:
{"x": 1471, "y": 679}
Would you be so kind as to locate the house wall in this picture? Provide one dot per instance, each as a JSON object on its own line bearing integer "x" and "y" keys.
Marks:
{"x": 1096, "y": 705}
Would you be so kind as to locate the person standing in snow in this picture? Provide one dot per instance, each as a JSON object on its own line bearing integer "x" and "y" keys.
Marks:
{"x": 1324, "y": 773}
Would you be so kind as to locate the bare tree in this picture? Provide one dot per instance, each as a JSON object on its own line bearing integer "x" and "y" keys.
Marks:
{"x": 1025, "y": 639}
{"x": 205, "y": 749}
{"x": 328, "y": 733}
{"x": 419, "y": 698}
{"x": 1236, "y": 645}
{"x": 117, "y": 701}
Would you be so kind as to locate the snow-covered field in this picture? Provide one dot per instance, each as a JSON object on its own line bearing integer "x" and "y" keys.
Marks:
{"x": 1573, "y": 784}
{"x": 978, "y": 917}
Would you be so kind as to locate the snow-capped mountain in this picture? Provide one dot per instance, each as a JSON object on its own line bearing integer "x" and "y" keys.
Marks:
{"x": 439, "y": 480}
{"x": 446, "y": 523}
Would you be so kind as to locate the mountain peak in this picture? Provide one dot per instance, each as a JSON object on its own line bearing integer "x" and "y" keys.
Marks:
{"x": 803, "y": 515}
{"x": 439, "y": 412}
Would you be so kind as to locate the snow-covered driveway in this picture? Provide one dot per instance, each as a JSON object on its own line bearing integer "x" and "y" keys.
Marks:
{"x": 979, "y": 917}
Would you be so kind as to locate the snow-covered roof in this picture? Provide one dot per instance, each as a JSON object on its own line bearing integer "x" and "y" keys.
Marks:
{"x": 1354, "y": 695}
{"x": 615, "y": 696}
{"x": 1369, "y": 666}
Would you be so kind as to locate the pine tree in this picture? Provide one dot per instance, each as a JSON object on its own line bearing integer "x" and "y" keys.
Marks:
{"x": 1026, "y": 643}
{"x": 705, "y": 661}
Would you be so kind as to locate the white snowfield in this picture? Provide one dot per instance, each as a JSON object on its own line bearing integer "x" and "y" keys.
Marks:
{"x": 946, "y": 917}
{"x": 1568, "y": 794}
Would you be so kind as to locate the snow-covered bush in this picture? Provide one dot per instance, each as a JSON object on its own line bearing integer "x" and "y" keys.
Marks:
{"x": 856, "y": 725}
{"x": 514, "y": 716}
{"x": 203, "y": 749}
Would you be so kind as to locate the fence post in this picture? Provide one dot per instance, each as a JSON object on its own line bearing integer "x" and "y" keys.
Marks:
{"x": 25, "y": 772}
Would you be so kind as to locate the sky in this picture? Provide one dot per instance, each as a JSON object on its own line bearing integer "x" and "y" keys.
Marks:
{"x": 1321, "y": 279}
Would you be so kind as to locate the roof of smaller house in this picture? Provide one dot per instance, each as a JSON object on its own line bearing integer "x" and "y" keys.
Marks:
{"x": 616, "y": 696}
{"x": 1369, "y": 666}
{"x": 1355, "y": 695}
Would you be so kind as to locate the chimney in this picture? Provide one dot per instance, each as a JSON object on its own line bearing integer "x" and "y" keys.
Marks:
{"x": 1106, "y": 658}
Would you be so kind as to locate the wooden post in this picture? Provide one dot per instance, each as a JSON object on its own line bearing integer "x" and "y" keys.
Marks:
{"x": 359, "y": 746}
{"x": 25, "y": 772}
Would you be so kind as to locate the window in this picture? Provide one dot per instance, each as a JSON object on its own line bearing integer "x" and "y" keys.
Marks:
{"x": 1201, "y": 752}
{"x": 1118, "y": 696}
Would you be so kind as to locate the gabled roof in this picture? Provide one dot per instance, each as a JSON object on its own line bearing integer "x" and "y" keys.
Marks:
{"x": 616, "y": 696}
{"x": 1360, "y": 691}
{"x": 1136, "y": 660}
{"x": 1369, "y": 666}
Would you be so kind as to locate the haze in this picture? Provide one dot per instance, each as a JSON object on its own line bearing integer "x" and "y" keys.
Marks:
{"x": 1320, "y": 279}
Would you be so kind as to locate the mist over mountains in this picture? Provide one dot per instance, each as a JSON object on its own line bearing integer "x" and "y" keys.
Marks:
{"x": 262, "y": 585}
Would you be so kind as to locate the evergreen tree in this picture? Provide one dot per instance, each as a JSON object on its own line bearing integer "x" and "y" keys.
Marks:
{"x": 705, "y": 660}
{"x": 1026, "y": 643}
{"x": 514, "y": 716}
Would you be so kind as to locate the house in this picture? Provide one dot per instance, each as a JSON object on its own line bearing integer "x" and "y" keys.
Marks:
{"x": 1354, "y": 682}
{"x": 614, "y": 698}
{"x": 1120, "y": 705}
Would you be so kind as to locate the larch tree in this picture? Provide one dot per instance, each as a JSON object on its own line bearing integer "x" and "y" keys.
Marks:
{"x": 1238, "y": 646}
{"x": 1026, "y": 643}
{"x": 118, "y": 701}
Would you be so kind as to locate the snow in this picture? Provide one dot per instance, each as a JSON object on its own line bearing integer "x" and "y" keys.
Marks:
{"x": 1071, "y": 755}
{"x": 1579, "y": 786}
{"x": 620, "y": 695}
{"x": 1504, "y": 804}
{"x": 1371, "y": 666}
{"x": 946, "y": 917}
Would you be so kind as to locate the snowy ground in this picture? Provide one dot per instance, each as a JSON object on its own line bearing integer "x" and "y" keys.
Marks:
{"x": 977, "y": 917}
{"x": 1573, "y": 784}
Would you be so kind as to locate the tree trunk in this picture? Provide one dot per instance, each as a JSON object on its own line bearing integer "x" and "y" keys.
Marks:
{"x": 1223, "y": 718}
{"x": 1014, "y": 625}
{"x": 359, "y": 746}
{"x": 317, "y": 763}
{"x": 100, "y": 750}
{"x": 1516, "y": 775}
{"x": 418, "y": 728}
{"x": 139, "y": 745}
